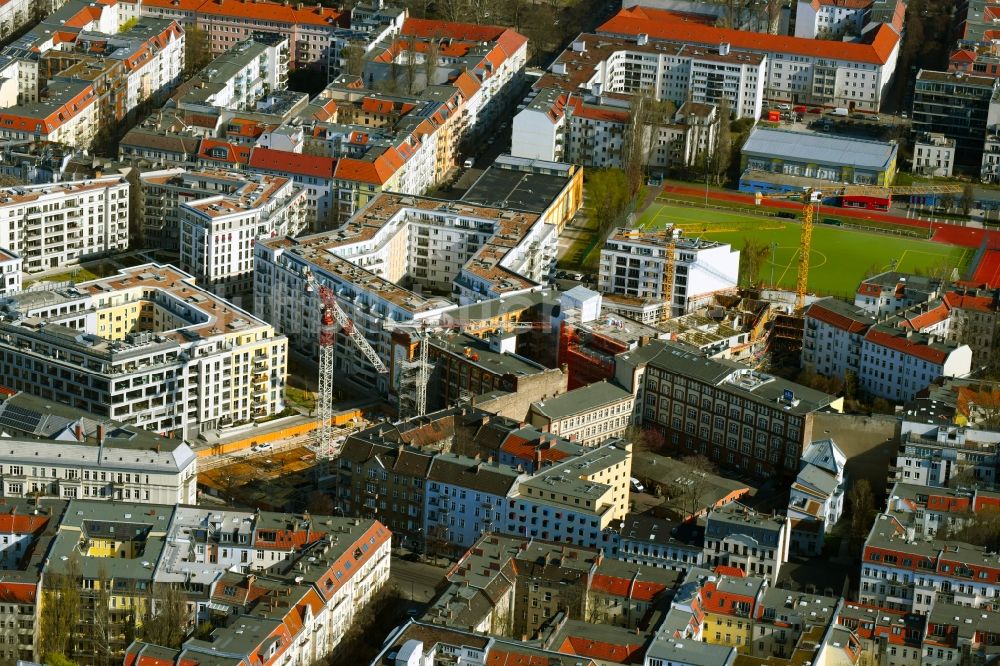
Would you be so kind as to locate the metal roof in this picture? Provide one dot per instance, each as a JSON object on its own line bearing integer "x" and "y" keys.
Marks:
{"x": 820, "y": 149}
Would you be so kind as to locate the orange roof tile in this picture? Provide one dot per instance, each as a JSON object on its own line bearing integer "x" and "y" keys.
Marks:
{"x": 294, "y": 163}
{"x": 902, "y": 344}
{"x": 665, "y": 25}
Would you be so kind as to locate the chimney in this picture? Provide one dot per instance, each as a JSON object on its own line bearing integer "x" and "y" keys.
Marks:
{"x": 538, "y": 459}
{"x": 100, "y": 433}
{"x": 79, "y": 432}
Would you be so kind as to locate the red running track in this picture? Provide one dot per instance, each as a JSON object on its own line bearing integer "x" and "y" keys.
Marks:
{"x": 943, "y": 232}
{"x": 988, "y": 271}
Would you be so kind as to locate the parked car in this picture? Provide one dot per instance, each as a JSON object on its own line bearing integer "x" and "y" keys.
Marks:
{"x": 636, "y": 485}
{"x": 816, "y": 109}
{"x": 469, "y": 162}
{"x": 785, "y": 107}
{"x": 799, "y": 109}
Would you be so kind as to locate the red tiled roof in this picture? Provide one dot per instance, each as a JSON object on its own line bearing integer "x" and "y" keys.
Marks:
{"x": 18, "y": 593}
{"x": 466, "y": 32}
{"x": 665, "y": 25}
{"x": 820, "y": 313}
{"x": 935, "y": 315}
{"x": 613, "y": 652}
{"x": 235, "y": 153}
{"x": 294, "y": 163}
{"x": 906, "y": 346}
{"x": 498, "y": 657}
{"x": 13, "y": 523}
{"x": 524, "y": 449}
{"x": 274, "y": 11}
{"x": 732, "y": 572}
{"x": 969, "y": 302}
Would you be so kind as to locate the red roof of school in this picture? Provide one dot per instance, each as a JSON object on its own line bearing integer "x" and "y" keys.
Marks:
{"x": 665, "y": 25}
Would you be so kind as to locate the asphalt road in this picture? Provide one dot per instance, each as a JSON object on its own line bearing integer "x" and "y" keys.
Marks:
{"x": 416, "y": 580}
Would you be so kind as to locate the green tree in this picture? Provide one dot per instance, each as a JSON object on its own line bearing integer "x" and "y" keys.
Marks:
{"x": 128, "y": 25}
{"x": 58, "y": 659}
{"x": 646, "y": 116}
{"x": 197, "y": 50}
{"x": 608, "y": 195}
{"x": 724, "y": 142}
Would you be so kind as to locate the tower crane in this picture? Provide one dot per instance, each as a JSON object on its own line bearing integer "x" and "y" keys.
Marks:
{"x": 669, "y": 237}
{"x": 333, "y": 317}
{"x": 422, "y": 330}
{"x": 811, "y": 196}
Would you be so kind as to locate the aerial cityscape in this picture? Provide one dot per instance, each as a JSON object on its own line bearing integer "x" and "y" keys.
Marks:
{"x": 515, "y": 333}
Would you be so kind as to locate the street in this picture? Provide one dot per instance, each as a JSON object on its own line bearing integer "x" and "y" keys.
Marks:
{"x": 416, "y": 581}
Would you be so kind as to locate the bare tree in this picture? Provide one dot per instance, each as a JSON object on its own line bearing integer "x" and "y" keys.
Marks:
{"x": 411, "y": 64}
{"x": 353, "y": 57}
{"x": 753, "y": 254}
{"x": 61, "y": 611}
{"x": 431, "y": 60}
{"x": 862, "y": 504}
{"x": 165, "y": 616}
{"x": 688, "y": 491}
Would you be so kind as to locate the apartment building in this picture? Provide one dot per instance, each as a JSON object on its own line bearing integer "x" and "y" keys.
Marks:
{"x": 218, "y": 233}
{"x": 146, "y": 347}
{"x": 80, "y": 219}
{"x": 11, "y": 268}
{"x": 734, "y": 416}
{"x": 756, "y": 544}
{"x": 946, "y": 439}
{"x": 655, "y": 542}
{"x": 974, "y": 320}
{"x": 574, "y": 500}
{"x": 588, "y": 415}
{"x": 635, "y": 267}
{"x": 897, "y": 363}
{"x": 244, "y": 74}
{"x": 123, "y": 464}
{"x": 937, "y": 97}
{"x": 86, "y": 94}
{"x": 820, "y": 156}
{"x": 329, "y": 570}
{"x": 894, "y": 359}
{"x": 816, "y": 499}
{"x": 163, "y": 192}
{"x": 989, "y": 171}
{"x": 830, "y": 19}
{"x": 798, "y": 70}
{"x": 886, "y": 293}
{"x": 933, "y": 512}
{"x": 466, "y": 498}
{"x": 476, "y": 252}
{"x": 315, "y": 35}
{"x": 904, "y": 572}
{"x": 934, "y": 155}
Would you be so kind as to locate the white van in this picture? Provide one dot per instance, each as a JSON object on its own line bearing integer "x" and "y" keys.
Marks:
{"x": 469, "y": 162}
{"x": 839, "y": 111}
{"x": 785, "y": 107}
{"x": 637, "y": 487}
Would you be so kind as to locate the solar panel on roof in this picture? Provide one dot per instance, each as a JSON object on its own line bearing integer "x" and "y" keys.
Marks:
{"x": 19, "y": 418}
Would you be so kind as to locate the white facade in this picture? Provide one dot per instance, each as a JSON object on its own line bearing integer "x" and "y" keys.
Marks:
{"x": 739, "y": 537}
{"x": 218, "y": 233}
{"x": 832, "y": 338}
{"x": 10, "y": 273}
{"x": 133, "y": 471}
{"x": 50, "y": 226}
{"x": 237, "y": 79}
{"x": 897, "y": 365}
{"x": 934, "y": 155}
{"x": 829, "y": 19}
{"x": 146, "y": 347}
{"x": 587, "y": 415}
{"x": 635, "y": 267}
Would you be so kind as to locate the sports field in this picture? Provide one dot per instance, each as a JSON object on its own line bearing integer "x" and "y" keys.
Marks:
{"x": 840, "y": 257}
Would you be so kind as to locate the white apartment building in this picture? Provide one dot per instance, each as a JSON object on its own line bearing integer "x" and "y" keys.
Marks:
{"x": 798, "y": 70}
{"x": 164, "y": 190}
{"x": 314, "y": 34}
{"x": 816, "y": 498}
{"x": 905, "y": 573}
{"x": 10, "y": 272}
{"x": 574, "y": 501}
{"x": 464, "y": 498}
{"x": 896, "y": 363}
{"x": 830, "y": 19}
{"x": 934, "y": 155}
{"x": 123, "y": 464}
{"x": 635, "y": 267}
{"x": 238, "y": 78}
{"x": 886, "y": 293}
{"x": 218, "y": 233}
{"x": 832, "y": 337}
{"x": 587, "y": 415}
{"x": 737, "y": 536}
{"x": 578, "y": 111}
{"x": 55, "y": 225}
{"x": 146, "y": 347}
